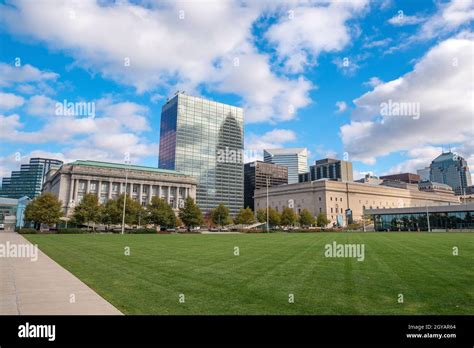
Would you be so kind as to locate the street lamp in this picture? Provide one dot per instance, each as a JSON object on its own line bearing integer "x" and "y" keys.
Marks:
{"x": 267, "y": 205}
{"x": 125, "y": 197}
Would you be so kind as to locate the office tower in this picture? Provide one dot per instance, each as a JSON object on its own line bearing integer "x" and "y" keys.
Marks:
{"x": 451, "y": 169}
{"x": 424, "y": 174}
{"x": 28, "y": 181}
{"x": 256, "y": 175}
{"x": 329, "y": 168}
{"x": 295, "y": 159}
{"x": 205, "y": 139}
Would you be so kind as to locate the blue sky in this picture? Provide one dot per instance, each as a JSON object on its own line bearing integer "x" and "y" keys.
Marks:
{"x": 308, "y": 74}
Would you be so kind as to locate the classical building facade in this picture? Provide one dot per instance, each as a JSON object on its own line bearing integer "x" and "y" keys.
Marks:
{"x": 107, "y": 180}
{"x": 334, "y": 198}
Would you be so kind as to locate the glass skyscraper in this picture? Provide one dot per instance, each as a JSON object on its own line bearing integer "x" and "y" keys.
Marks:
{"x": 28, "y": 181}
{"x": 295, "y": 159}
{"x": 205, "y": 139}
{"x": 451, "y": 169}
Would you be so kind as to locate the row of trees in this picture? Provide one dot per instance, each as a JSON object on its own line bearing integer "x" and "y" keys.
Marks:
{"x": 288, "y": 217}
{"x": 46, "y": 209}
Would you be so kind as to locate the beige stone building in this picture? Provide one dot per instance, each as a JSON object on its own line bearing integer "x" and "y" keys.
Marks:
{"x": 107, "y": 180}
{"x": 334, "y": 197}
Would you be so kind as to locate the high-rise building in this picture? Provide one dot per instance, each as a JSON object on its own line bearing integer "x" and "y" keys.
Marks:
{"x": 205, "y": 139}
{"x": 256, "y": 175}
{"x": 329, "y": 168}
{"x": 295, "y": 159}
{"x": 28, "y": 181}
{"x": 451, "y": 169}
{"x": 424, "y": 173}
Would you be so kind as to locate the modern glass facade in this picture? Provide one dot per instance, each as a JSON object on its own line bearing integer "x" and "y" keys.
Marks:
{"x": 28, "y": 181}
{"x": 461, "y": 217}
{"x": 205, "y": 139}
{"x": 451, "y": 169}
{"x": 295, "y": 159}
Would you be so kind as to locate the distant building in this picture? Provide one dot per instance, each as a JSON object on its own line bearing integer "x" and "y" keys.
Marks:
{"x": 295, "y": 159}
{"x": 12, "y": 212}
{"x": 451, "y": 169}
{"x": 430, "y": 186}
{"x": 329, "y": 168}
{"x": 424, "y": 174}
{"x": 205, "y": 139}
{"x": 370, "y": 179}
{"x": 28, "y": 181}
{"x": 409, "y": 178}
{"x": 441, "y": 217}
{"x": 338, "y": 200}
{"x": 107, "y": 180}
{"x": 256, "y": 175}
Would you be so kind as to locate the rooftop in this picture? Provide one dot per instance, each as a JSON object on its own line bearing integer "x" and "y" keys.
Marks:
{"x": 286, "y": 151}
{"x": 123, "y": 166}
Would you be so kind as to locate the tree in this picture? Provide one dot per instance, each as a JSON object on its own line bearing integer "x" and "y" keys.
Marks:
{"x": 220, "y": 215}
{"x": 190, "y": 214}
{"x": 133, "y": 210}
{"x": 306, "y": 218}
{"x": 261, "y": 215}
{"x": 288, "y": 217}
{"x": 322, "y": 220}
{"x": 111, "y": 214}
{"x": 273, "y": 217}
{"x": 87, "y": 210}
{"x": 45, "y": 209}
{"x": 245, "y": 216}
{"x": 160, "y": 213}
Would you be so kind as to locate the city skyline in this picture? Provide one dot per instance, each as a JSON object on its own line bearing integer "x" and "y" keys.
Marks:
{"x": 386, "y": 86}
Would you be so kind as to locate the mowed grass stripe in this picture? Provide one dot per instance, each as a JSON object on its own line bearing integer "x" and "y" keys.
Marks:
{"x": 270, "y": 267}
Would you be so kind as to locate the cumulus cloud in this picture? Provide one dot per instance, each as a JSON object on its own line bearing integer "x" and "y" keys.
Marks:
{"x": 341, "y": 106}
{"x": 256, "y": 143}
{"x": 196, "y": 53}
{"x": 442, "y": 85}
{"x": 10, "y": 101}
{"x": 295, "y": 38}
{"x": 373, "y": 82}
{"x": 401, "y": 19}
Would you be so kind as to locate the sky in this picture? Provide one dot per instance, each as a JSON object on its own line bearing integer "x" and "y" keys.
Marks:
{"x": 311, "y": 74}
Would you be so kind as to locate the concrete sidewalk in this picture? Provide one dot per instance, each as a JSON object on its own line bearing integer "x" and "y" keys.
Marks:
{"x": 43, "y": 287}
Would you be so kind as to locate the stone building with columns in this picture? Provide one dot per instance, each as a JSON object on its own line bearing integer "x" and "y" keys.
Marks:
{"x": 107, "y": 180}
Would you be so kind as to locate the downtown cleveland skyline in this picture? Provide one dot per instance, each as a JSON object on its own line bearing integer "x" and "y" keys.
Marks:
{"x": 324, "y": 93}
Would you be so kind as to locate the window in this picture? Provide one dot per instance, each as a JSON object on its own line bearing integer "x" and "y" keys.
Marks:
{"x": 135, "y": 188}
{"x": 145, "y": 189}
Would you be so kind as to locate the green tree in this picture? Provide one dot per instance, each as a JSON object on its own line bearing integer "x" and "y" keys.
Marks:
{"x": 322, "y": 220}
{"x": 274, "y": 217}
{"x": 190, "y": 214}
{"x": 133, "y": 210}
{"x": 261, "y": 215}
{"x": 87, "y": 210}
{"x": 288, "y": 217}
{"x": 306, "y": 218}
{"x": 111, "y": 214}
{"x": 245, "y": 216}
{"x": 45, "y": 209}
{"x": 220, "y": 215}
{"x": 160, "y": 213}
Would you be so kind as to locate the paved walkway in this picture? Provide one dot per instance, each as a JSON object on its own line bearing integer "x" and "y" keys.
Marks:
{"x": 43, "y": 287}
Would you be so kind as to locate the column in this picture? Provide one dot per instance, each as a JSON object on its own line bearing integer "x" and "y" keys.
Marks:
{"x": 88, "y": 187}
{"x": 169, "y": 194}
{"x": 76, "y": 189}
{"x": 99, "y": 189}
{"x": 150, "y": 192}
{"x": 140, "y": 194}
{"x": 71, "y": 191}
{"x": 109, "y": 195}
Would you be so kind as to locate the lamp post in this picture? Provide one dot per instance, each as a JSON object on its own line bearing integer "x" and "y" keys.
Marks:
{"x": 428, "y": 219}
{"x": 125, "y": 198}
{"x": 267, "y": 206}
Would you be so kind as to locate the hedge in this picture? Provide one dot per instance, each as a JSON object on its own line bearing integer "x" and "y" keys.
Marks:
{"x": 27, "y": 231}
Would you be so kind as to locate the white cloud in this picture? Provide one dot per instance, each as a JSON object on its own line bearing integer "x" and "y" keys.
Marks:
{"x": 373, "y": 82}
{"x": 196, "y": 53}
{"x": 10, "y": 101}
{"x": 341, "y": 106}
{"x": 441, "y": 82}
{"x": 419, "y": 158}
{"x": 401, "y": 19}
{"x": 40, "y": 105}
{"x": 304, "y": 31}
{"x": 11, "y": 74}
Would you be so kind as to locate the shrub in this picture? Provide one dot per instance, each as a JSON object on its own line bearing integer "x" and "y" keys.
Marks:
{"x": 27, "y": 231}
{"x": 141, "y": 231}
{"x": 72, "y": 231}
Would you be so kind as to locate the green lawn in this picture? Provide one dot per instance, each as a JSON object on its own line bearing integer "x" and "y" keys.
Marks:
{"x": 421, "y": 266}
